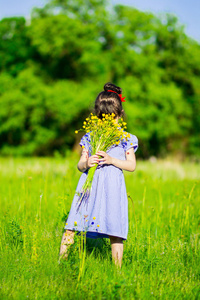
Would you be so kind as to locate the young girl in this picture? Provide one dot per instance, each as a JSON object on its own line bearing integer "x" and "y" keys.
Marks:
{"x": 106, "y": 213}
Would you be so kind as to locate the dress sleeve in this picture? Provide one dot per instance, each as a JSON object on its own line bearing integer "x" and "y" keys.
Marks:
{"x": 85, "y": 141}
{"x": 132, "y": 142}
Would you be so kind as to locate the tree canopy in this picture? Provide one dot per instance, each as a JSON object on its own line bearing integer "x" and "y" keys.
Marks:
{"x": 53, "y": 66}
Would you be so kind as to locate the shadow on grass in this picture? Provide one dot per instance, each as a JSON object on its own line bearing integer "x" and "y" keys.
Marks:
{"x": 98, "y": 247}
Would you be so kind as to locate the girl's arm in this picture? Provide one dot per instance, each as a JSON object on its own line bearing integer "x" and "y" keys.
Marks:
{"x": 86, "y": 162}
{"x": 129, "y": 164}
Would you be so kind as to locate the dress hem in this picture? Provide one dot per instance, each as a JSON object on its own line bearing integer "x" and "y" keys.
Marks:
{"x": 96, "y": 234}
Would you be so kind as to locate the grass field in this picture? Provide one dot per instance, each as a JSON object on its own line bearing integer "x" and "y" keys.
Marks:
{"x": 161, "y": 255}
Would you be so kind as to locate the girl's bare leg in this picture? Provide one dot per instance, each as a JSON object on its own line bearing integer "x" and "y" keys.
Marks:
{"x": 117, "y": 250}
{"x": 67, "y": 240}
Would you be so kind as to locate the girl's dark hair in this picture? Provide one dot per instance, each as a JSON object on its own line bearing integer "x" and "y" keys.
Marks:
{"x": 109, "y": 102}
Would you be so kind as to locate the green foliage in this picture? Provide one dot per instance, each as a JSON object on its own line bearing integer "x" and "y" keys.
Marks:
{"x": 64, "y": 46}
{"x": 37, "y": 118}
{"x": 14, "y": 233}
{"x": 53, "y": 67}
{"x": 15, "y": 50}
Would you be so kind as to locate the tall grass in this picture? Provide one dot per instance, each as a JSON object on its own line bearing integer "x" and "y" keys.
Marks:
{"x": 161, "y": 255}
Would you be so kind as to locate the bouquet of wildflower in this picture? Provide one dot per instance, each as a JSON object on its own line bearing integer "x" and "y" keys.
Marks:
{"x": 104, "y": 133}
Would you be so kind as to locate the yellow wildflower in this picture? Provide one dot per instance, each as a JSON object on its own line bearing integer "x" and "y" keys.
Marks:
{"x": 94, "y": 218}
{"x": 83, "y": 146}
{"x": 76, "y": 131}
{"x": 98, "y": 225}
{"x": 66, "y": 224}
{"x": 75, "y": 223}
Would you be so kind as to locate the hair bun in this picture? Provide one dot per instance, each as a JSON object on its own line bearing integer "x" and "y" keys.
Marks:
{"x": 112, "y": 87}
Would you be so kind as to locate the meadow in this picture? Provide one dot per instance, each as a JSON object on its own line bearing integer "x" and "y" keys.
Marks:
{"x": 161, "y": 255}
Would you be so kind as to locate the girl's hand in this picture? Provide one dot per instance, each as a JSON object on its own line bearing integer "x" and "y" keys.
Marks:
{"x": 85, "y": 153}
{"x": 92, "y": 160}
{"x": 86, "y": 162}
{"x": 106, "y": 159}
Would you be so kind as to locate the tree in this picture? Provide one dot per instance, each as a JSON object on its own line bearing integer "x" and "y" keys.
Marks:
{"x": 15, "y": 47}
{"x": 53, "y": 67}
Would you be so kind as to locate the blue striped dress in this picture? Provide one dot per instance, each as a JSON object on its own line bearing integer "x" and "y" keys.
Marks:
{"x": 106, "y": 211}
